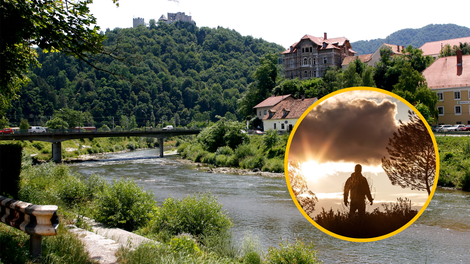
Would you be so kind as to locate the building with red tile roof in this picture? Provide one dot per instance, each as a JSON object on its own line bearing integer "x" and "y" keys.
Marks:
{"x": 310, "y": 57}
{"x": 263, "y": 107}
{"x": 364, "y": 58}
{"x": 285, "y": 114}
{"x": 449, "y": 78}
{"x": 434, "y": 48}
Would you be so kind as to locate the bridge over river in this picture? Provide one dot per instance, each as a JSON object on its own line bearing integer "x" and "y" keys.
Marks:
{"x": 57, "y": 136}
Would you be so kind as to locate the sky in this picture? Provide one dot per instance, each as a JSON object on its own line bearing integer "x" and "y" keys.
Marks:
{"x": 350, "y": 128}
{"x": 286, "y": 22}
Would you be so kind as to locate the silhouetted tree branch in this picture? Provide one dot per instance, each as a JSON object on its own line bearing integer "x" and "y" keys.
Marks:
{"x": 412, "y": 161}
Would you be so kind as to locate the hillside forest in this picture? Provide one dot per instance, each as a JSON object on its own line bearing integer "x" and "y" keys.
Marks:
{"x": 188, "y": 76}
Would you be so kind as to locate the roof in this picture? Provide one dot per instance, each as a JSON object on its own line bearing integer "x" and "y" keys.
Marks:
{"x": 290, "y": 109}
{"x": 443, "y": 73}
{"x": 332, "y": 43}
{"x": 364, "y": 58}
{"x": 271, "y": 101}
{"x": 434, "y": 48}
{"x": 395, "y": 48}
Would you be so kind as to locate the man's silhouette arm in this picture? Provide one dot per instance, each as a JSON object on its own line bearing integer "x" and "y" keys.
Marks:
{"x": 346, "y": 192}
{"x": 368, "y": 193}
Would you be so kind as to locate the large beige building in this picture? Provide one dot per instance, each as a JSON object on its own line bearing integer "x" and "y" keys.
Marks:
{"x": 311, "y": 56}
{"x": 449, "y": 78}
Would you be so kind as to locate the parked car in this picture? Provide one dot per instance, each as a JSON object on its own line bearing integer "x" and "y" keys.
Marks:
{"x": 37, "y": 129}
{"x": 6, "y": 131}
{"x": 443, "y": 128}
{"x": 170, "y": 127}
{"x": 454, "y": 128}
{"x": 465, "y": 128}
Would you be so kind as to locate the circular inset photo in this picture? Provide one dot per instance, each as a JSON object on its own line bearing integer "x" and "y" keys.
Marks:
{"x": 361, "y": 164}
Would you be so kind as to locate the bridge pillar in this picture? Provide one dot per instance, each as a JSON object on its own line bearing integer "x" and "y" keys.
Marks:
{"x": 160, "y": 144}
{"x": 57, "y": 151}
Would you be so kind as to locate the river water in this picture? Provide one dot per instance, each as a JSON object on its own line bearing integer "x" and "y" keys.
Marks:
{"x": 263, "y": 206}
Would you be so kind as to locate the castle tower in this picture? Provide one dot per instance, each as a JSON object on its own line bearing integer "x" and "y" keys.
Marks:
{"x": 138, "y": 21}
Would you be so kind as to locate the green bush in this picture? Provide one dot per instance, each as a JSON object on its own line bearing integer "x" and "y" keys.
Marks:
{"x": 184, "y": 243}
{"x": 131, "y": 145}
{"x": 274, "y": 165}
{"x": 38, "y": 145}
{"x": 292, "y": 253}
{"x": 222, "y": 160}
{"x": 253, "y": 162}
{"x": 209, "y": 158}
{"x": 72, "y": 191}
{"x": 226, "y": 150}
{"x": 197, "y": 215}
{"x": 124, "y": 205}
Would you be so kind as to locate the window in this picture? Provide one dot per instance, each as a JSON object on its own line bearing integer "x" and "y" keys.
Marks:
{"x": 457, "y": 95}
{"x": 292, "y": 63}
{"x": 314, "y": 61}
{"x": 314, "y": 73}
{"x": 311, "y": 50}
{"x": 305, "y": 61}
{"x": 259, "y": 113}
{"x": 305, "y": 74}
{"x": 310, "y": 61}
{"x": 457, "y": 110}
{"x": 274, "y": 125}
{"x": 282, "y": 126}
{"x": 265, "y": 111}
{"x": 325, "y": 60}
{"x": 440, "y": 96}
{"x": 440, "y": 109}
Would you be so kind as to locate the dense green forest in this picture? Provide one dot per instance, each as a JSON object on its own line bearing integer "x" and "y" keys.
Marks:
{"x": 414, "y": 37}
{"x": 168, "y": 72}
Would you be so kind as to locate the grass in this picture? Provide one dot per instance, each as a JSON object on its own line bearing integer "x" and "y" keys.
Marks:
{"x": 454, "y": 157}
{"x": 372, "y": 224}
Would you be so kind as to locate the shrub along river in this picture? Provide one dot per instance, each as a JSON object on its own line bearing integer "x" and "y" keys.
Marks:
{"x": 263, "y": 206}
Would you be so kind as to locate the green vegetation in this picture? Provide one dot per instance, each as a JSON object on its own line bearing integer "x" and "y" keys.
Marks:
{"x": 163, "y": 62}
{"x": 414, "y": 37}
{"x": 251, "y": 152}
{"x": 194, "y": 229}
{"x": 374, "y": 224}
{"x": 454, "y": 160}
{"x": 296, "y": 252}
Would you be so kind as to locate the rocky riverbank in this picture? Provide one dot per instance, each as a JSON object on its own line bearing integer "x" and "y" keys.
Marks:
{"x": 237, "y": 171}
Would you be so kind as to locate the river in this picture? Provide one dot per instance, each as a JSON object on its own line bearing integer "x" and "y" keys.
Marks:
{"x": 263, "y": 206}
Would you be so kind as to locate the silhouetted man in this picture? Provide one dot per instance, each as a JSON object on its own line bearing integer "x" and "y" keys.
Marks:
{"x": 359, "y": 188}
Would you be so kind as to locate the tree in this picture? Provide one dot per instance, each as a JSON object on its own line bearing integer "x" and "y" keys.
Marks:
{"x": 265, "y": 76}
{"x": 412, "y": 160}
{"x": 57, "y": 123}
{"x": 65, "y": 26}
{"x": 24, "y": 124}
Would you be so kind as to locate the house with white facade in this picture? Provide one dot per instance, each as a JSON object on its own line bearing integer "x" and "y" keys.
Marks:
{"x": 284, "y": 115}
{"x": 263, "y": 107}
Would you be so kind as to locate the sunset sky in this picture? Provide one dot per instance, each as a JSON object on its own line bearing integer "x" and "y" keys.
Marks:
{"x": 348, "y": 129}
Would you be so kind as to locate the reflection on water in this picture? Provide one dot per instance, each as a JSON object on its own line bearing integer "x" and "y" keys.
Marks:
{"x": 263, "y": 205}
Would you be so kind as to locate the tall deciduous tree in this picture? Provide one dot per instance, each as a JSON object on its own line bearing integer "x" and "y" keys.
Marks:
{"x": 412, "y": 159}
{"x": 66, "y": 26}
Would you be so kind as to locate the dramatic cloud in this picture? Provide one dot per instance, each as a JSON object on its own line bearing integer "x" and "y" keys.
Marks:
{"x": 348, "y": 130}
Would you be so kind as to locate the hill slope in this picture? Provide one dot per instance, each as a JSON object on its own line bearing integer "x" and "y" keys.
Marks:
{"x": 415, "y": 37}
{"x": 178, "y": 71}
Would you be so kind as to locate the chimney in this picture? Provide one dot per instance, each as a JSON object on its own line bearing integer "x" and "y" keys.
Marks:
{"x": 398, "y": 48}
{"x": 459, "y": 62}
{"x": 324, "y": 36}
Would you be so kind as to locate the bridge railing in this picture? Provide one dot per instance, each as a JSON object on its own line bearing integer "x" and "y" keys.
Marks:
{"x": 35, "y": 220}
{"x": 88, "y": 129}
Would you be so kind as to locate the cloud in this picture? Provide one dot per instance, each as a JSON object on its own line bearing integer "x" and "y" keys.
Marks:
{"x": 346, "y": 130}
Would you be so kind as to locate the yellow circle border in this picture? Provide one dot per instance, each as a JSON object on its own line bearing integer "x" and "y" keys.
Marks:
{"x": 286, "y": 171}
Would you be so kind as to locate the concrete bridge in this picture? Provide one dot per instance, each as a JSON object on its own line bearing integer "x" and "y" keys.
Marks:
{"x": 56, "y": 137}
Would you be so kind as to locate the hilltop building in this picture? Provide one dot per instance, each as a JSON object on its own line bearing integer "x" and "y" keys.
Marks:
{"x": 449, "y": 78}
{"x": 173, "y": 17}
{"x": 138, "y": 21}
{"x": 311, "y": 56}
{"x": 434, "y": 48}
